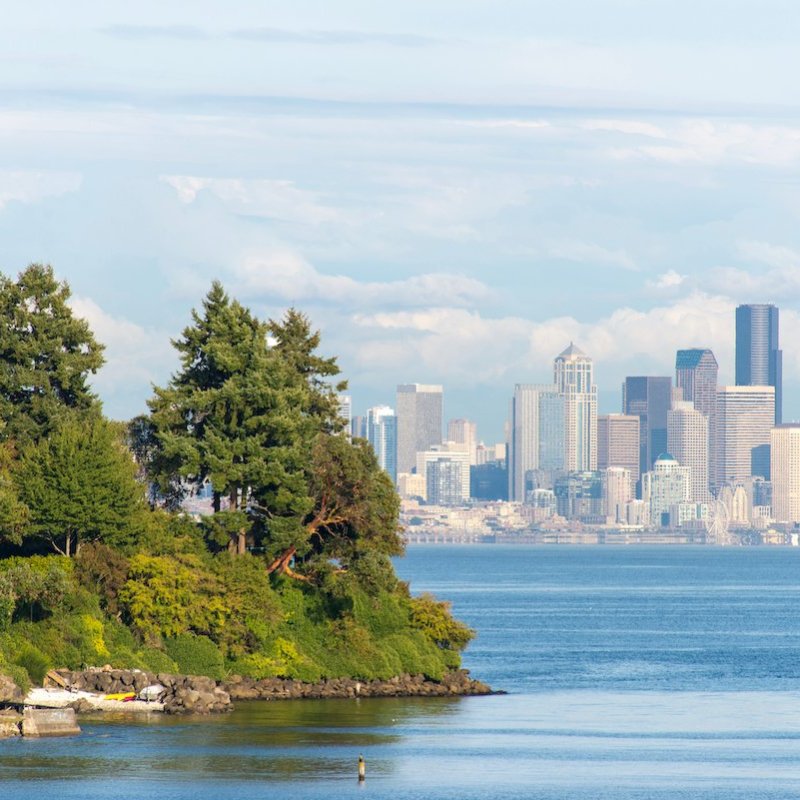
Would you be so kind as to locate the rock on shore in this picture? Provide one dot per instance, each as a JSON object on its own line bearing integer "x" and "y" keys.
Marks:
{"x": 456, "y": 684}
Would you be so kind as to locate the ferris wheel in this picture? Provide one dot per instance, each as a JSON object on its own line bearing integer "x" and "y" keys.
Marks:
{"x": 718, "y": 523}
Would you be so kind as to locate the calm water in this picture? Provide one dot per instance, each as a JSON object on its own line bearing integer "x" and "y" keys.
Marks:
{"x": 632, "y": 673}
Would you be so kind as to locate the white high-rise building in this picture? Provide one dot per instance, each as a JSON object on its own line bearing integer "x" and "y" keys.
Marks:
{"x": 745, "y": 417}
{"x": 464, "y": 431}
{"x": 667, "y": 484}
{"x": 536, "y": 435}
{"x": 419, "y": 421}
{"x": 617, "y": 492}
{"x": 687, "y": 441}
{"x": 574, "y": 379}
{"x": 346, "y": 411}
{"x": 382, "y": 435}
{"x": 785, "y": 468}
{"x": 446, "y": 471}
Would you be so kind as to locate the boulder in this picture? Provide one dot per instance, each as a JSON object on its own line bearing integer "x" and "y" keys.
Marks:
{"x": 9, "y": 691}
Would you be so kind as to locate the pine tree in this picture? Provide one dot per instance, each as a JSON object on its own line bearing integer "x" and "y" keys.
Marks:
{"x": 46, "y": 355}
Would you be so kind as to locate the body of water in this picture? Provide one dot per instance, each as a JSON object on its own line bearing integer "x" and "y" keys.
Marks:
{"x": 638, "y": 672}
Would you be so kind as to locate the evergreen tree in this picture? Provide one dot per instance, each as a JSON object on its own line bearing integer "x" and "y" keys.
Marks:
{"x": 79, "y": 485}
{"x": 230, "y": 417}
{"x": 46, "y": 355}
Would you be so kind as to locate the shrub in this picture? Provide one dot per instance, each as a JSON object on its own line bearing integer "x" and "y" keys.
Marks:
{"x": 196, "y": 655}
{"x": 156, "y": 660}
{"x": 34, "y": 662}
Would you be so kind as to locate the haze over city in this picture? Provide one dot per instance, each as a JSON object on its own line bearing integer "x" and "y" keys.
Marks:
{"x": 451, "y": 194}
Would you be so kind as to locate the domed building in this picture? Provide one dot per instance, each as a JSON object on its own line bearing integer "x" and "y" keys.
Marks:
{"x": 667, "y": 484}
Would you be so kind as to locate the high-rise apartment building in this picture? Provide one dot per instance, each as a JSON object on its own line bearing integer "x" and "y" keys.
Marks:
{"x": 649, "y": 398}
{"x": 696, "y": 373}
{"x": 419, "y": 422}
{"x": 759, "y": 360}
{"x": 574, "y": 379}
{"x": 666, "y": 485}
{"x": 745, "y": 417}
{"x": 346, "y": 411}
{"x": 618, "y": 443}
{"x": 382, "y": 435}
{"x": 536, "y": 435}
{"x": 785, "y": 468}
{"x": 446, "y": 470}
{"x": 464, "y": 431}
{"x": 617, "y": 492}
{"x": 687, "y": 441}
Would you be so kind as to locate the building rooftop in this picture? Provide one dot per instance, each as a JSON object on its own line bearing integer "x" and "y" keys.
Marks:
{"x": 691, "y": 358}
{"x": 573, "y": 351}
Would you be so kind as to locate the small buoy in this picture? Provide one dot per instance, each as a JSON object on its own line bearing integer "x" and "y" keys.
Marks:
{"x": 362, "y": 769}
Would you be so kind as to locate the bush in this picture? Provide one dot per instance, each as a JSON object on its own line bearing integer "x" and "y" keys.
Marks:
{"x": 34, "y": 662}
{"x": 156, "y": 660}
{"x": 196, "y": 655}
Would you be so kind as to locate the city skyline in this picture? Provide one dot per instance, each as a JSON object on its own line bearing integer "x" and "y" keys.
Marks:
{"x": 524, "y": 180}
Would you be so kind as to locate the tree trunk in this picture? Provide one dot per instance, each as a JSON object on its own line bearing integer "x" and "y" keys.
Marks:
{"x": 241, "y": 542}
{"x": 67, "y": 552}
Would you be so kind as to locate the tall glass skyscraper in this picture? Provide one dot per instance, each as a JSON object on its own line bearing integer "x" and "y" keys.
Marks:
{"x": 419, "y": 422}
{"x": 382, "y": 435}
{"x": 649, "y": 398}
{"x": 759, "y": 360}
{"x": 573, "y": 374}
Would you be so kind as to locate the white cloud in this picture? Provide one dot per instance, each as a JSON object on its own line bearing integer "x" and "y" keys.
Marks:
{"x": 627, "y": 126}
{"x": 668, "y": 280}
{"x": 30, "y": 186}
{"x": 287, "y": 277}
{"x": 590, "y": 253}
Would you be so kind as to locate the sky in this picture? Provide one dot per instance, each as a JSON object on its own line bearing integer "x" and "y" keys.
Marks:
{"x": 452, "y": 191}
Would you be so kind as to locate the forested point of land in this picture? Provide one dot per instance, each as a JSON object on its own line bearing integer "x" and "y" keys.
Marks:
{"x": 290, "y": 576}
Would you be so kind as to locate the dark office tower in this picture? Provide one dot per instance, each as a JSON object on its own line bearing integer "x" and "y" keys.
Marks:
{"x": 696, "y": 377}
{"x": 649, "y": 398}
{"x": 759, "y": 361}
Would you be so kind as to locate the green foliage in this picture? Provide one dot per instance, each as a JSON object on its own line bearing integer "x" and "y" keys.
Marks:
{"x": 46, "y": 355}
{"x": 34, "y": 662}
{"x": 104, "y": 571}
{"x": 157, "y": 661}
{"x": 167, "y": 597}
{"x": 433, "y": 618}
{"x": 79, "y": 485}
{"x": 196, "y": 655}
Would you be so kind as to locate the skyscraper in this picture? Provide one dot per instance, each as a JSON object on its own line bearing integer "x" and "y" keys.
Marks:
{"x": 382, "y": 435}
{"x": 465, "y": 432}
{"x": 617, "y": 492}
{"x": 687, "y": 441}
{"x": 785, "y": 463}
{"x": 649, "y": 398}
{"x": 446, "y": 470}
{"x": 536, "y": 436}
{"x": 696, "y": 376}
{"x": 346, "y": 411}
{"x": 759, "y": 361}
{"x": 618, "y": 444}
{"x": 574, "y": 380}
{"x": 665, "y": 486}
{"x": 419, "y": 422}
{"x": 745, "y": 417}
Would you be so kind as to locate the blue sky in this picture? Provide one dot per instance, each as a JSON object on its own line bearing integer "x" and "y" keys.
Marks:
{"x": 452, "y": 191}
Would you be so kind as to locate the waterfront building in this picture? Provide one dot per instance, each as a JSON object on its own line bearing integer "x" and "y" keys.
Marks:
{"x": 618, "y": 444}
{"x": 464, "y": 431}
{"x": 574, "y": 379}
{"x": 785, "y": 469}
{"x": 419, "y": 421}
{"x": 745, "y": 417}
{"x": 687, "y": 441}
{"x": 536, "y": 435}
{"x": 579, "y": 495}
{"x": 445, "y": 468}
{"x": 649, "y": 398}
{"x": 666, "y": 485}
{"x": 410, "y": 485}
{"x": 696, "y": 372}
{"x": 759, "y": 359}
{"x": 382, "y": 435}
{"x": 617, "y": 492}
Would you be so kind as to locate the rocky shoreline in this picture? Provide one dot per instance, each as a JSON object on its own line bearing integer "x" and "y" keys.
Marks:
{"x": 192, "y": 694}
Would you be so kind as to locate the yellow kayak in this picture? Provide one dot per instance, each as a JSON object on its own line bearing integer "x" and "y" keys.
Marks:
{"x": 121, "y": 696}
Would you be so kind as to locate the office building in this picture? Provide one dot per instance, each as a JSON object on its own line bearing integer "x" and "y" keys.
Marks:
{"x": 579, "y": 495}
{"x": 358, "y": 427}
{"x": 667, "y": 484}
{"x": 785, "y": 468}
{"x": 466, "y": 432}
{"x": 346, "y": 412}
{"x": 382, "y": 435}
{"x": 759, "y": 360}
{"x": 574, "y": 379}
{"x": 446, "y": 471}
{"x": 687, "y": 441}
{"x": 696, "y": 373}
{"x": 488, "y": 481}
{"x": 745, "y": 417}
{"x": 618, "y": 444}
{"x": 648, "y": 398}
{"x": 536, "y": 435}
{"x": 617, "y": 492}
{"x": 419, "y": 421}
